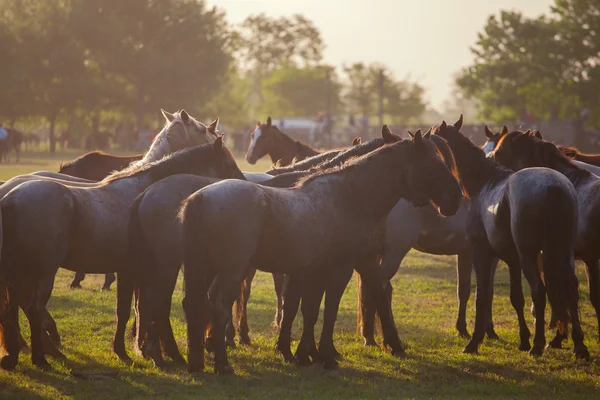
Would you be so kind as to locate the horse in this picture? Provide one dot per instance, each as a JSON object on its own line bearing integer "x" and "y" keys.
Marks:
{"x": 155, "y": 238}
{"x": 574, "y": 154}
{"x": 268, "y": 139}
{"x": 424, "y": 230}
{"x": 513, "y": 216}
{"x": 95, "y": 166}
{"x": 11, "y": 142}
{"x": 84, "y": 228}
{"x": 518, "y": 150}
{"x": 320, "y": 225}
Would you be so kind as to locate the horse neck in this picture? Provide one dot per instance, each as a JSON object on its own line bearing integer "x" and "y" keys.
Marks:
{"x": 477, "y": 172}
{"x": 305, "y": 151}
{"x": 369, "y": 190}
{"x": 284, "y": 149}
{"x": 159, "y": 148}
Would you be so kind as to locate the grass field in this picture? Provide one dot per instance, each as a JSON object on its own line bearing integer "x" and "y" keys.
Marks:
{"x": 424, "y": 306}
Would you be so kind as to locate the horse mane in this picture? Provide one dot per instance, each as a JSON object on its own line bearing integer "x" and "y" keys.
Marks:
{"x": 568, "y": 151}
{"x": 447, "y": 155}
{"x": 350, "y": 163}
{"x": 303, "y": 165}
{"x": 304, "y": 147}
{"x": 552, "y": 157}
{"x": 202, "y": 155}
{"x": 483, "y": 170}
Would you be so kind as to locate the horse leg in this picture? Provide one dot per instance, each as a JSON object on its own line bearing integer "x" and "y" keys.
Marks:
{"x": 483, "y": 259}
{"x": 125, "y": 287}
{"x": 368, "y": 270}
{"x": 593, "y": 275}
{"x": 278, "y": 283}
{"x": 167, "y": 338}
{"x": 242, "y": 310}
{"x": 9, "y": 327}
{"x": 518, "y": 302}
{"x": 365, "y": 319}
{"x": 464, "y": 266}
{"x": 538, "y": 295}
{"x": 222, "y": 296}
{"x": 49, "y": 345}
{"x": 336, "y": 284}
{"x": 489, "y": 326}
{"x": 291, "y": 301}
{"x": 108, "y": 280}
{"x": 76, "y": 283}
{"x": 312, "y": 295}
{"x": 195, "y": 307}
{"x": 41, "y": 295}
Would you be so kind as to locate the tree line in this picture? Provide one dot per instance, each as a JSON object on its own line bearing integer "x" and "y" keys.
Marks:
{"x": 104, "y": 62}
{"x": 548, "y": 66}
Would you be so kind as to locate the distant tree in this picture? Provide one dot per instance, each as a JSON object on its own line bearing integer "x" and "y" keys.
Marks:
{"x": 403, "y": 101}
{"x": 293, "y": 91}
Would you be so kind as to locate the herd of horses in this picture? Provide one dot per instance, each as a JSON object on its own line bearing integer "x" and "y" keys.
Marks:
{"x": 311, "y": 221}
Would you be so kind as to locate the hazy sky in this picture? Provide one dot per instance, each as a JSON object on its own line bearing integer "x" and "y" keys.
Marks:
{"x": 427, "y": 40}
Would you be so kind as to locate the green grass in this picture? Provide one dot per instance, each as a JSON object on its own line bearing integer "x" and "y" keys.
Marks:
{"x": 425, "y": 309}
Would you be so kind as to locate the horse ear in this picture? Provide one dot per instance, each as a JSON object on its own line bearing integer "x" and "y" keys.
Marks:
{"x": 458, "y": 124}
{"x": 168, "y": 116}
{"x": 212, "y": 128}
{"x": 218, "y": 144}
{"x": 269, "y": 122}
{"x": 356, "y": 141}
{"x": 538, "y": 134}
{"x": 443, "y": 125}
{"x": 257, "y": 124}
{"x": 387, "y": 135}
{"x": 418, "y": 138}
{"x": 504, "y": 130}
{"x": 428, "y": 133}
{"x": 488, "y": 133}
{"x": 185, "y": 117}
{"x": 528, "y": 132}
{"x": 412, "y": 135}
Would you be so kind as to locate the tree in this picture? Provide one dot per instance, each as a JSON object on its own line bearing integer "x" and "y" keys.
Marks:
{"x": 402, "y": 100}
{"x": 293, "y": 91}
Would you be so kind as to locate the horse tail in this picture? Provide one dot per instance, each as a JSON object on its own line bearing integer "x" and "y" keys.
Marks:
{"x": 195, "y": 258}
{"x": 141, "y": 262}
{"x": 557, "y": 253}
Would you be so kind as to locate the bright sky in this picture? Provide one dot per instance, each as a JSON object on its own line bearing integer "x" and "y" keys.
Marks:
{"x": 427, "y": 40}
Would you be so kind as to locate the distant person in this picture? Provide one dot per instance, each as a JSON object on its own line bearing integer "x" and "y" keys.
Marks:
{"x": 364, "y": 123}
{"x": 3, "y": 132}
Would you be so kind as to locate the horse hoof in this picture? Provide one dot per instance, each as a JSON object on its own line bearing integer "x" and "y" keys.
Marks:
{"x": 582, "y": 353}
{"x": 75, "y": 286}
{"x": 525, "y": 346}
{"x": 224, "y": 370}
{"x": 464, "y": 334}
{"x": 337, "y": 356}
{"x": 245, "y": 341}
{"x": 195, "y": 367}
{"x": 555, "y": 343}
{"x": 8, "y": 363}
{"x": 42, "y": 364}
{"x": 303, "y": 360}
{"x": 275, "y": 326}
{"x": 491, "y": 334}
{"x": 470, "y": 348}
{"x": 399, "y": 353}
{"x": 105, "y": 288}
{"x": 330, "y": 365}
{"x": 58, "y": 356}
{"x": 125, "y": 359}
{"x": 178, "y": 359}
{"x": 536, "y": 351}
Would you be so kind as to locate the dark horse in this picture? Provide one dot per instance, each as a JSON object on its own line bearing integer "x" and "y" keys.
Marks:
{"x": 514, "y": 216}
{"x": 95, "y": 166}
{"x": 155, "y": 241}
{"x": 518, "y": 150}
{"x": 318, "y": 228}
{"x": 11, "y": 142}
{"x": 268, "y": 139}
{"x": 85, "y": 229}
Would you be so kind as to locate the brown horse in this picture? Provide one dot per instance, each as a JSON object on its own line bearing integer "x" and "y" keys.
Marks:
{"x": 574, "y": 154}
{"x": 268, "y": 139}
{"x": 95, "y": 166}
